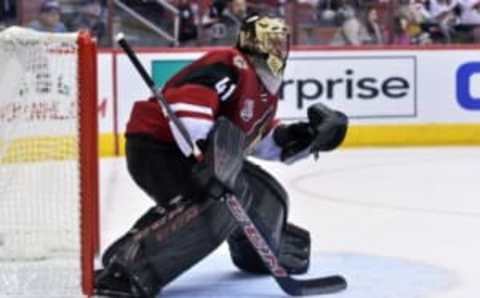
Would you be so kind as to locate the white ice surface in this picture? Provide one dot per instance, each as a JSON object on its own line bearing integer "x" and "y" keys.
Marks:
{"x": 397, "y": 223}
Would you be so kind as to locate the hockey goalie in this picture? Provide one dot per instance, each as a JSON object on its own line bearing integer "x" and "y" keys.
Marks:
{"x": 227, "y": 101}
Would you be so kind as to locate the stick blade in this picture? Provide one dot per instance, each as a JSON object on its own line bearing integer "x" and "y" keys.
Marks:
{"x": 318, "y": 286}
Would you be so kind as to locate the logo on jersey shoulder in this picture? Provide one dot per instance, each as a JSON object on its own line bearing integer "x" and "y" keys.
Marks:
{"x": 247, "y": 111}
{"x": 239, "y": 62}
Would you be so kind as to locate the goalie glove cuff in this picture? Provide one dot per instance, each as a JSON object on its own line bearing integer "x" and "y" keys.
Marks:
{"x": 325, "y": 131}
{"x": 294, "y": 139}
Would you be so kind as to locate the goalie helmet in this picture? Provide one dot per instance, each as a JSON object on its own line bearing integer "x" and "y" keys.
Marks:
{"x": 266, "y": 40}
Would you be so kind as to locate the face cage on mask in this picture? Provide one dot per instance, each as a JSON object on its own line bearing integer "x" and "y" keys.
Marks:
{"x": 280, "y": 51}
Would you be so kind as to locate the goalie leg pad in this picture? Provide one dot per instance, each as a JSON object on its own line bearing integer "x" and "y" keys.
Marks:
{"x": 151, "y": 216}
{"x": 153, "y": 256}
{"x": 269, "y": 211}
{"x": 117, "y": 279}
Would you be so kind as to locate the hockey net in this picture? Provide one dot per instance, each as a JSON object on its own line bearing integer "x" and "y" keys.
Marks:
{"x": 48, "y": 163}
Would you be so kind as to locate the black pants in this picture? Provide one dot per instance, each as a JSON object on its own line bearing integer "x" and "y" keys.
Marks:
{"x": 161, "y": 170}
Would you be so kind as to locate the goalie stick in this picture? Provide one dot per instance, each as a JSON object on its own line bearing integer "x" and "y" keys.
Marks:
{"x": 293, "y": 287}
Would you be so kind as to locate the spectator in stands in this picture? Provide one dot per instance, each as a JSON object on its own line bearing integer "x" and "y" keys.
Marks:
{"x": 444, "y": 14}
{"x": 282, "y": 7}
{"x": 49, "y": 17}
{"x": 399, "y": 34}
{"x": 326, "y": 11}
{"x": 373, "y": 28}
{"x": 188, "y": 31}
{"x": 469, "y": 20}
{"x": 8, "y": 12}
{"x": 238, "y": 9}
{"x": 470, "y": 11}
{"x": 415, "y": 15}
{"x": 213, "y": 28}
{"x": 215, "y": 12}
{"x": 91, "y": 17}
{"x": 271, "y": 7}
{"x": 223, "y": 23}
{"x": 350, "y": 30}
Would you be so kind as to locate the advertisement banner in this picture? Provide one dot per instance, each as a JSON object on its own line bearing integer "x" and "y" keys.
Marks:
{"x": 360, "y": 86}
{"x": 412, "y": 96}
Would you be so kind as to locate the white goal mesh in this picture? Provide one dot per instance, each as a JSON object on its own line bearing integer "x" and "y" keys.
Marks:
{"x": 40, "y": 183}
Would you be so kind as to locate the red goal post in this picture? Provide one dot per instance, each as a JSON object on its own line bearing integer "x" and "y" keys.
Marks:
{"x": 89, "y": 160}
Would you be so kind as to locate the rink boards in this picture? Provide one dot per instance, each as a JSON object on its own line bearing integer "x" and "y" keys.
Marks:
{"x": 394, "y": 97}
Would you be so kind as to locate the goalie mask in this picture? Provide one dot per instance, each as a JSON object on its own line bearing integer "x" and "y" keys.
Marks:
{"x": 266, "y": 40}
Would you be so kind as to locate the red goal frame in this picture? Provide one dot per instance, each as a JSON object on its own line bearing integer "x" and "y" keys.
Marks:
{"x": 89, "y": 164}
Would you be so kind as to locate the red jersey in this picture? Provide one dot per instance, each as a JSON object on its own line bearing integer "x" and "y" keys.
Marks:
{"x": 221, "y": 83}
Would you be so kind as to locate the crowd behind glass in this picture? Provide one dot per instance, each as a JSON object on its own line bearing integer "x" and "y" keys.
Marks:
{"x": 215, "y": 22}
